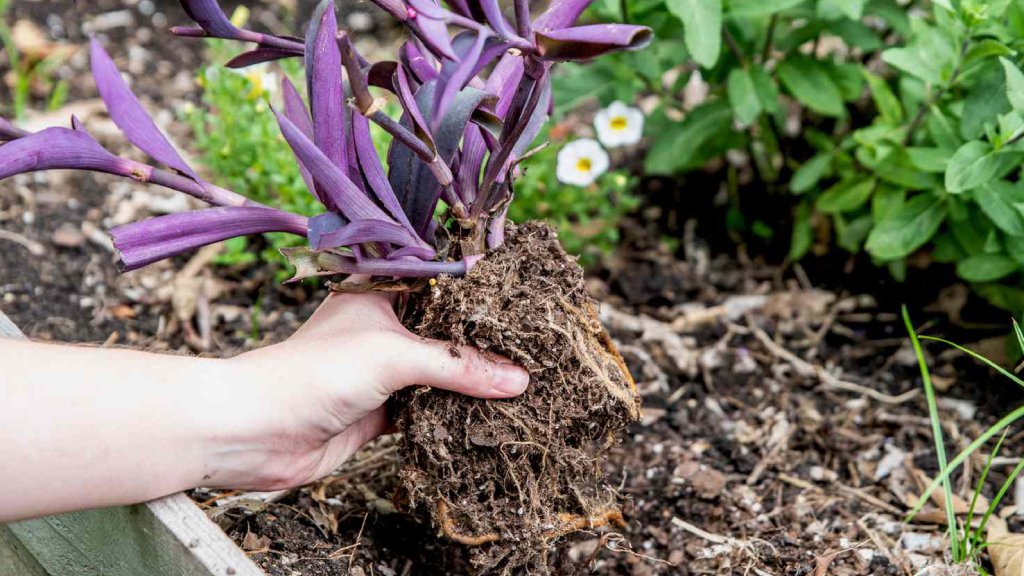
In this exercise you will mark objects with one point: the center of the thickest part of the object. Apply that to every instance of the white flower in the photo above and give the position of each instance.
(581, 162)
(619, 125)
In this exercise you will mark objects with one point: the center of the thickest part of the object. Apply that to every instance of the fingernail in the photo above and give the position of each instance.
(511, 380)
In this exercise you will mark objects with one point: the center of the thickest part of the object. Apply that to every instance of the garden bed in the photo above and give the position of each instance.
(783, 432)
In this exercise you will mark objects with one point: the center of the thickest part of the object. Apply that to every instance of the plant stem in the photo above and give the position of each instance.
(734, 46)
(937, 95)
(766, 52)
(624, 7)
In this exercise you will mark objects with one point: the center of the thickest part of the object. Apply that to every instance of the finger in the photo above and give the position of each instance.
(464, 370)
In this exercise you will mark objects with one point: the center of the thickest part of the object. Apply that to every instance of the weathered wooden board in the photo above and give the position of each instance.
(170, 536)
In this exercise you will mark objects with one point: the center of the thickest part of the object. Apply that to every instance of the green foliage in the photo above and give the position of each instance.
(586, 218)
(238, 140)
(967, 537)
(29, 73)
(898, 131)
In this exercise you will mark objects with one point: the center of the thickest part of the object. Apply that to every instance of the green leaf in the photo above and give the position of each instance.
(999, 201)
(743, 96)
(685, 142)
(932, 160)
(885, 201)
(986, 267)
(848, 78)
(987, 48)
(808, 175)
(885, 100)
(897, 168)
(985, 100)
(803, 233)
(976, 164)
(810, 83)
(1014, 84)
(759, 8)
(907, 228)
(835, 9)
(930, 55)
(767, 91)
(851, 235)
(846, 196)
(702, 22)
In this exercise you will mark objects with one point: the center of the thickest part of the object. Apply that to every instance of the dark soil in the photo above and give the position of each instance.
(511, 478)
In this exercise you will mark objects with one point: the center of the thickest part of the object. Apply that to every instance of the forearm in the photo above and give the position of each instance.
(85, 427)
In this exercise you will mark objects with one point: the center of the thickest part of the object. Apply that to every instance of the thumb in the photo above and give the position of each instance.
(462, 369)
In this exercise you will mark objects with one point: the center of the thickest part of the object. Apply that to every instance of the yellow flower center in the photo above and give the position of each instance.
(584, 164)
(619, 123)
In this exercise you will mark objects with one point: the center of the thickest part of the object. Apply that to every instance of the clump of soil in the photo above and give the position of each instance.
(509, 478)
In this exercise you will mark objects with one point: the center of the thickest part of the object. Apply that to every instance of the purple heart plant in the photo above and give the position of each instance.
(474, 89)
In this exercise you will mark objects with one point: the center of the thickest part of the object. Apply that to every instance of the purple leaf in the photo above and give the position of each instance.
(418, 252)
(373, 171)
(561, 14)
(413, 59)
(259, 56)
(427, 8)
(129, 115)
(434, 34)
(363, 232)
(332, 182)
(411, 108)
(496, 19)
(9, 131)
(56, 148)
(586, 42)
(210, 17)
(295, 110)
(142, 243)
(324, 83)
(407, 268)
(455, 75)
(411, 178)
(323, 224)
(474, 150)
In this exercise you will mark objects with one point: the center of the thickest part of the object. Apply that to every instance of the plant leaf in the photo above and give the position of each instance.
(976, 164)
(743, 96)
(759, 8)
(847, 195)
(811, 84)
(907, 228)
(1014, 84)
(986, 267)
(324, 85)
(128, 114)
(702, 25)
(142, 243)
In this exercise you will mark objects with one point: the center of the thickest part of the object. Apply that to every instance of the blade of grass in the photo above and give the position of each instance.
(940, 444)
(1019, 334)
(979, 358)
(963, 455)
(1001, 494)
(975, 535)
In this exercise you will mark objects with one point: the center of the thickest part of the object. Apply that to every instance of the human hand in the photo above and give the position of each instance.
(310, 402)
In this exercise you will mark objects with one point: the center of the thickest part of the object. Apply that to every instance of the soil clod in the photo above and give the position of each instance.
(510, 477)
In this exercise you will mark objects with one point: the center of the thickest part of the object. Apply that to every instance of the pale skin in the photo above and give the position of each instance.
(91, 427)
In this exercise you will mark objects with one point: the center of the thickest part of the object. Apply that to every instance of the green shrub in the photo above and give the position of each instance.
(894, 129)
(587, 218)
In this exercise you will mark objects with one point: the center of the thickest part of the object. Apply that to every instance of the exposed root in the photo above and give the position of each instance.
(453, 534)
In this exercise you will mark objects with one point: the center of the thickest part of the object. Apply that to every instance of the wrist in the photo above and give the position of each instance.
(248, 425)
